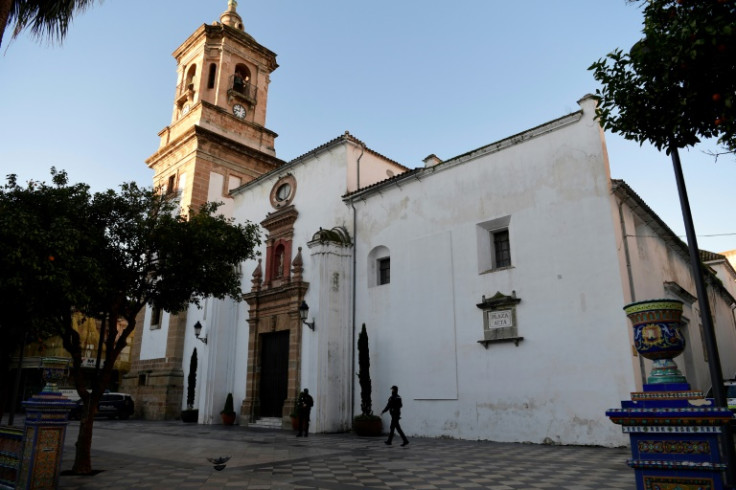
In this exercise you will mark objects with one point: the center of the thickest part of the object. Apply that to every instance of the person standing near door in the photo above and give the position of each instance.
(304, 404)
(393, 407)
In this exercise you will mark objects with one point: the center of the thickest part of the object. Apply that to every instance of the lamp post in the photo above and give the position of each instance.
(304, 314)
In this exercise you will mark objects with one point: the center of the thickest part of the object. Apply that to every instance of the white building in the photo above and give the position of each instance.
(491, 284)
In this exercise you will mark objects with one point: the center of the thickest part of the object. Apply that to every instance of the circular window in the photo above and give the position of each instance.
(283, 191)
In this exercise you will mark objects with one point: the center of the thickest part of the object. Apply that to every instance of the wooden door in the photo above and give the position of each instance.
(274, 372)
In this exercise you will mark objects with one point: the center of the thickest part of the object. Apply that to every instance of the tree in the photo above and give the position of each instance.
(675, 86)
(364, 374)
(44, 18)
(133, 249)
(192, 380)
(367, 423)
(39, 239)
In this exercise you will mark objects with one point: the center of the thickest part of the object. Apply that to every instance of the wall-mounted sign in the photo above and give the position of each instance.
(500, 318)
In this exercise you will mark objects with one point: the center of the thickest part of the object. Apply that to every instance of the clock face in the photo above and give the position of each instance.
(239, 111)
(185, 110)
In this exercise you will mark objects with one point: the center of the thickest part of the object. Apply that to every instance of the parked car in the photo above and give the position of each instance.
(111, 405)
(730, 385)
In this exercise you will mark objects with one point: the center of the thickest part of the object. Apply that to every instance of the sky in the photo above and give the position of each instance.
(409, 78)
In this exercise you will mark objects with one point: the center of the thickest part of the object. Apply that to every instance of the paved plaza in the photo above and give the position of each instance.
(167, 455)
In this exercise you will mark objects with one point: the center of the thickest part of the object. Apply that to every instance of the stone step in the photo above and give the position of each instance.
(267, 423)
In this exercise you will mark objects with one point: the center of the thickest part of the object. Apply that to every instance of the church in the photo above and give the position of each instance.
(491, 284)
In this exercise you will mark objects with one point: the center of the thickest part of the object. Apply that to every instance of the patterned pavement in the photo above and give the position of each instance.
(166, 455)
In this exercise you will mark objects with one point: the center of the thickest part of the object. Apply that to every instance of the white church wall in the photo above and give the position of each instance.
(726, 274)
(424, 327)
(218, 360)
(725, 327)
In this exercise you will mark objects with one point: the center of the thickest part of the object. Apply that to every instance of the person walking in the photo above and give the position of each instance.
(393, 407)
(304, 404)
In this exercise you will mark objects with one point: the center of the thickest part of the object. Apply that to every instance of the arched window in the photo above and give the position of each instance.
(211, 77)
(191, 72)
(379, 266)
(241, 78)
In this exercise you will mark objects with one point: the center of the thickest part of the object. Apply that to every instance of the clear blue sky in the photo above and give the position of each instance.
(407, 77)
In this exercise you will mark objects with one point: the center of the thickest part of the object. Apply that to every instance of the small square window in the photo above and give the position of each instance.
(384, 270)
(494, 244)
(501, 249)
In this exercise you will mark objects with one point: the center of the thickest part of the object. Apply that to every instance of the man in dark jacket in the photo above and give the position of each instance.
(304, 404)
(393, 407)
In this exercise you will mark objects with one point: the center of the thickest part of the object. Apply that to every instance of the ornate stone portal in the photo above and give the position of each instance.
(275, 333)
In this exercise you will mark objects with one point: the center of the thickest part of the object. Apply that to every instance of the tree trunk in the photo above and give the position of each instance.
(83, 452)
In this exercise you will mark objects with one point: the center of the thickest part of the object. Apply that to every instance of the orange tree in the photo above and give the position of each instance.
(675, 86)
(40, 237)
(128, 248)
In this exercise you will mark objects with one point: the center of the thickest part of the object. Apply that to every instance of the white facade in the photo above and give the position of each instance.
(570, 273)
(581, 247)
(550, 188)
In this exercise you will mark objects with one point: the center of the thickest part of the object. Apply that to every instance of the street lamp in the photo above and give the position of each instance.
(304, 313)
(198, 330)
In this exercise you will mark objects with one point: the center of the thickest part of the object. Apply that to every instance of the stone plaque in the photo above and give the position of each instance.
(500, 318)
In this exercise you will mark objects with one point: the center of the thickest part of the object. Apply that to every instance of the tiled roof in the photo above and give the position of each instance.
(707, 256)
(345, 137)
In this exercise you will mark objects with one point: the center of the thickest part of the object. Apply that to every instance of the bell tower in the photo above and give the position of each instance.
(217, 139)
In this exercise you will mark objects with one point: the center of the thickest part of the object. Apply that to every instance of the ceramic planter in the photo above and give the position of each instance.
(657, 336)
(53, 370)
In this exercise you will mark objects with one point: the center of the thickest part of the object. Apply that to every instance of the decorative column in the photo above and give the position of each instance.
(674, 431)
(47, 415)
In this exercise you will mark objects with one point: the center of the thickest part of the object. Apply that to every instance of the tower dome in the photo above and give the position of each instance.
(230, 17)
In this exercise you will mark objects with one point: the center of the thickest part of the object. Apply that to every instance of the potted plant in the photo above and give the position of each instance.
(191, 414)
(365, 424)
(228, 413)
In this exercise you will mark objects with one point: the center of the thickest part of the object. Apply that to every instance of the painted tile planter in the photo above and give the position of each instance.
(657, 336)
(674, 431)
